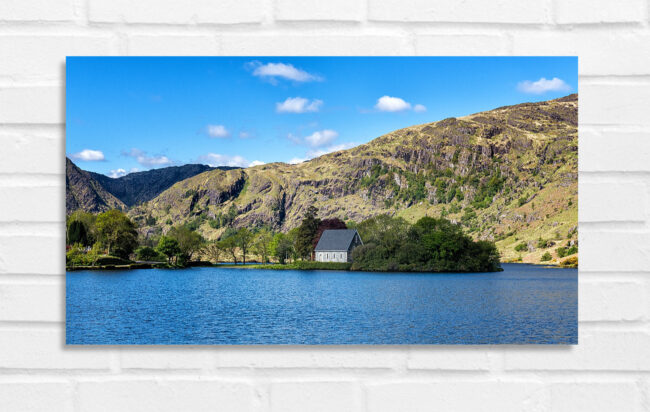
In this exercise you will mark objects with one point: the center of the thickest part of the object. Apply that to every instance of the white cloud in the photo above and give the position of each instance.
(322, 151)
(419, 108)
(321, 138)
(298, 105)
(392, 104)
(147, 161)
(117, 173)
(218, 131)
(272, 71)
(89, 155)
(543, 85)
(216, 159)
(244, 135)
(329, 149)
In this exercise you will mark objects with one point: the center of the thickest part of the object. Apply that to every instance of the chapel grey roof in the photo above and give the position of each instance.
(335, 240)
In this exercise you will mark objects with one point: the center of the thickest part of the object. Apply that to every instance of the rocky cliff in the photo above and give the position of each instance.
(509, 175)
(83, 192)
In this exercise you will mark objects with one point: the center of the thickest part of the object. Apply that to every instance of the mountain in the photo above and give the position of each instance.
(140, 187)
(509, 175)
(84, 192)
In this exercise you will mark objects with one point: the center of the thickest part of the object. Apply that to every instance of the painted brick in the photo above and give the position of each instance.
(600, 52)
(38, 57)
(612, 301)
(45, 349)
(598, 350)
(31, 150)
(614, 104)
(448, 358)
(594, 397)
(178, 45)
(33, 302)
(251, 44)
(340, 10)
(315, 396)
(17, 254)
(599, 11)
(309, 357)
(607, 151)
(25, 204)
(172, 12)
(460, 44)
(37, 10)
(455, 396)
(165, 395)
(473, 11)
(36, 396)
(166, 358)
(618, 201)
(46, 105)
(613, 251)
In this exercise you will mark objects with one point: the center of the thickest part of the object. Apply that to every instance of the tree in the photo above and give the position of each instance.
(546, 257)
(327, 224)
(88, 219)
(117, 232)
(188, 241)
(262, 244)
(281, 247)
(430, 245)
(244, 239)
(146, 253)
(306, 233)
(77, 233)
(168, 246)
(213, 251)
(230, 245)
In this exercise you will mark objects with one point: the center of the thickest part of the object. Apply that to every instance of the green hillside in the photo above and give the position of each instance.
(509, 175)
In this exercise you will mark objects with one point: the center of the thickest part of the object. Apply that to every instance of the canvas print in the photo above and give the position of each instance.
(321, 200)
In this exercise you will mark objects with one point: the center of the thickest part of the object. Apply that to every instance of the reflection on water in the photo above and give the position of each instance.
(522, 304)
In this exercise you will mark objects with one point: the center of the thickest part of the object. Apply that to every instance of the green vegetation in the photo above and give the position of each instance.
(508, 175)
(546, 257)
(305, 265)
(430, 245)
(521, 247)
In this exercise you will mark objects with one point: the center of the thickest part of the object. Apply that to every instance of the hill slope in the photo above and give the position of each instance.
(83, 192)
(139, 187)
(509, 175)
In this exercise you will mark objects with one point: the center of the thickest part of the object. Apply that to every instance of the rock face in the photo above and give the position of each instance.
(502, 172)
(508, 175)
(139, 187)
(83, 192)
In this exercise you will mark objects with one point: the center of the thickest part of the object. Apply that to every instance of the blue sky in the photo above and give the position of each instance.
(127, 114)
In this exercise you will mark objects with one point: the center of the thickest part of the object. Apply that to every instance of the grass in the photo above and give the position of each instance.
(303, 265)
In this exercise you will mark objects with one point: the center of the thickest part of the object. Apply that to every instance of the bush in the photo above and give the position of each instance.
(571, 262)
(521, 247)
(544, 243)
(430, 245)
(147, 253)
(546, 257)
(111, 260)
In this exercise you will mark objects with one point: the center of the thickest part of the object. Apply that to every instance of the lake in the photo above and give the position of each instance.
(212, 305)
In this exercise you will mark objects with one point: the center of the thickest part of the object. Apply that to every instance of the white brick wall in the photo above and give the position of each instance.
(608, 371)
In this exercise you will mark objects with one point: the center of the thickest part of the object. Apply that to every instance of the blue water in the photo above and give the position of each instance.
(522, 304)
